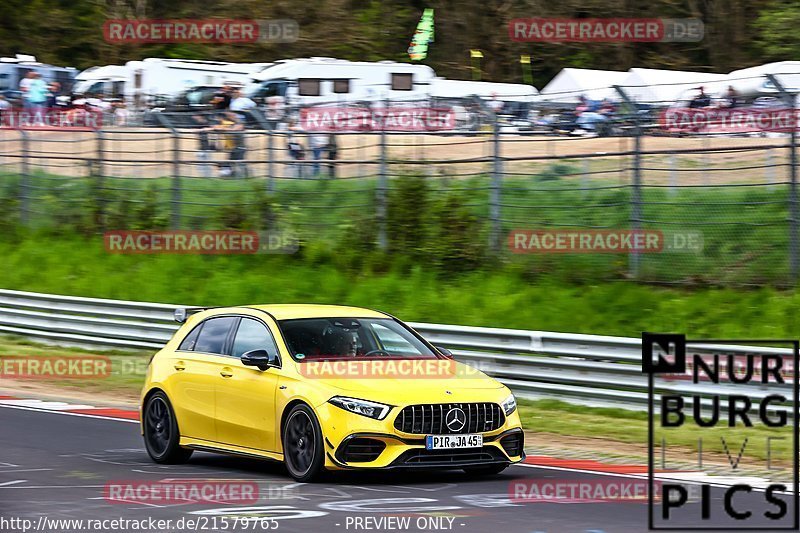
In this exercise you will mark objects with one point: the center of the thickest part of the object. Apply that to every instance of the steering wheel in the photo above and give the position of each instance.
(376, 352)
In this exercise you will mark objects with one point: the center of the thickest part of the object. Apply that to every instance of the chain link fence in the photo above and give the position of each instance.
(721, 173)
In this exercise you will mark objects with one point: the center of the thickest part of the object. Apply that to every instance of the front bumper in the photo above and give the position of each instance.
(356, 442)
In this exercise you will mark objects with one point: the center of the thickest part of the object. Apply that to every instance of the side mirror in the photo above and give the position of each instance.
(444, 351)
(260, 359)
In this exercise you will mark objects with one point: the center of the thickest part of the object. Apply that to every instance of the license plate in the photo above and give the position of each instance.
(448, 442)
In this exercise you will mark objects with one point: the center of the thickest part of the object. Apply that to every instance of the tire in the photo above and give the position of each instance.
(488, 470)
(161, 434)
(303, 452)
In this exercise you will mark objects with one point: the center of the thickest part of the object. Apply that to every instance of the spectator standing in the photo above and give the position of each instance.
(275, 112)
(296, 150)
(222, 100)
(240, 103)
(24, 84)
(36, 93)
(233, 141)
(318, 142)
(206, 146)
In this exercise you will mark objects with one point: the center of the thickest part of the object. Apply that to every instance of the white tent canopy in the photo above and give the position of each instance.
(655, 86)
(572, 83)
(508, 92)
(752, 81)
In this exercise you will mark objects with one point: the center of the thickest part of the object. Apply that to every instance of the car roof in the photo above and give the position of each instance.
(293, 311)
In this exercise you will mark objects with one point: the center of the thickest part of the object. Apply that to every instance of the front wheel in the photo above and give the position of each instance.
(302, 444)
(161, 435)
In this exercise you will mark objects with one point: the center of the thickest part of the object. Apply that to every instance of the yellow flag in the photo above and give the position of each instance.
(475, 53)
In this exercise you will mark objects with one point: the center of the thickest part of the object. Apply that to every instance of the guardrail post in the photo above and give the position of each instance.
(24, 180)
(636, 190)
(381, 191)
(495, 192)
(790, 99)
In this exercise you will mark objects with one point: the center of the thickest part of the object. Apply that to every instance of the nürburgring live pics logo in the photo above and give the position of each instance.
(727, 391)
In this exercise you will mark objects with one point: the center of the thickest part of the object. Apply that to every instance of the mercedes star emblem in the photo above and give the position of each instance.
(456, 419)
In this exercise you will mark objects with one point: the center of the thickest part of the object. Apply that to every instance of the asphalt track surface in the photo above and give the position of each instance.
(56, 466)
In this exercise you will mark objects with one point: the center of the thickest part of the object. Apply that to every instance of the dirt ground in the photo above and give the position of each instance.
(151, 152)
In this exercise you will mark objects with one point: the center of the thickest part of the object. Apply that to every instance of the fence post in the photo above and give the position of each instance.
(673, 174)
(380, 198)
(270, 164)
(99, 180)
(790, 99)
(24, 189)
(268, 127)
(495, 192)
(636, 190)
(175, 201)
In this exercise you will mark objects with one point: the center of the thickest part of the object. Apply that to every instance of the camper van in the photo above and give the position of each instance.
(14, 69)
(154, 80)
(324, 80)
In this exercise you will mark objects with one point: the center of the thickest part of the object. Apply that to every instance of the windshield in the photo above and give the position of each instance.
(336, 338)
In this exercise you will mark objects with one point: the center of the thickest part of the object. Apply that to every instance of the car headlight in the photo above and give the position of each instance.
(375, 410)
(509, 404)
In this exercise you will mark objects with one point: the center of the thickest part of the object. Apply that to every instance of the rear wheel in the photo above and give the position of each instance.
(161, 435)
(487, 470)
(302, 444)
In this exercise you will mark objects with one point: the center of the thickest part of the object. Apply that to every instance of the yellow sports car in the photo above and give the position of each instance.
(322, 387)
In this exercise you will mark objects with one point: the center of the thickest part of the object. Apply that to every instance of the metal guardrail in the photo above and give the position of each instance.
(591, 370)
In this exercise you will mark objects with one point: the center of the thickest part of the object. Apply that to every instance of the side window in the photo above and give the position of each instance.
(341, 86)
(253, 335)
(402, 81)
(214, 334)
(188, 342)
(308, 87)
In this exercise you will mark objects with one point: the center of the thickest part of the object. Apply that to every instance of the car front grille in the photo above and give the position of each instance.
(431, 419)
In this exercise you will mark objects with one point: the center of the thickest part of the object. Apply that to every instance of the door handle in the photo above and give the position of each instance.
(226, 372)
(180, 365)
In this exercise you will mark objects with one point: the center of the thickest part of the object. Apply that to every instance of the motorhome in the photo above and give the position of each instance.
(14, 69)
(155, 80)
(324, 80)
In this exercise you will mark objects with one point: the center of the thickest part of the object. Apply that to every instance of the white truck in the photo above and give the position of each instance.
(154, 80)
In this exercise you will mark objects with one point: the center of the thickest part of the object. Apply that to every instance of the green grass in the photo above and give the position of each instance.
(745, 229)
(508, 296)
(122, 383)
